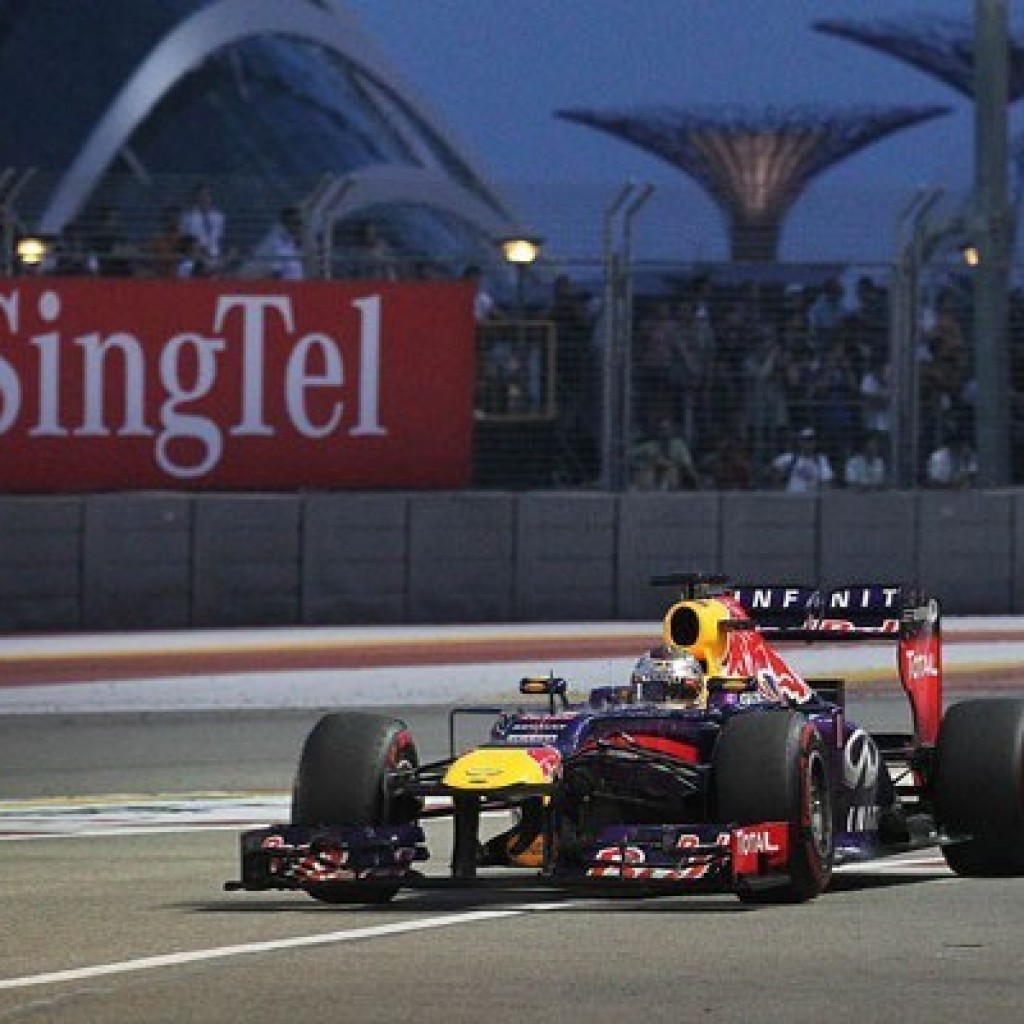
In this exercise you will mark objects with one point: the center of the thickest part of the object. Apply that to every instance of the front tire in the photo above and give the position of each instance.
(980, 786)
(342, 779)
(773, 766)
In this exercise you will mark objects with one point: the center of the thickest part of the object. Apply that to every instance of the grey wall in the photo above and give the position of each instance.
(245, 558)
(565, 567)
(42, 543)
(156, 560)
(459, 556)
(137, 563)
(354, 558)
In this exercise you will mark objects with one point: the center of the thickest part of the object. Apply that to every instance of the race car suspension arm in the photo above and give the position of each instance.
(689, 776)
(467, 836)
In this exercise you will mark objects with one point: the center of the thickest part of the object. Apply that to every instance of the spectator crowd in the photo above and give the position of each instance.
(790, 386)
(195, 238)
(731, 386)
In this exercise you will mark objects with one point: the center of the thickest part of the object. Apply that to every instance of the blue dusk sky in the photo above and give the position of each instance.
(496, 71)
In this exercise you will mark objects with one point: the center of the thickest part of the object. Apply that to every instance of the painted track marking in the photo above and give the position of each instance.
(97, 817)
(251, 948)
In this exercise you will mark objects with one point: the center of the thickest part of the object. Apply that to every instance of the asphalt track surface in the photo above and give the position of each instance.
(119, 822)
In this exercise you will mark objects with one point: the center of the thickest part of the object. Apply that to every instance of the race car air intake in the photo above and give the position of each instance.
(683, 625)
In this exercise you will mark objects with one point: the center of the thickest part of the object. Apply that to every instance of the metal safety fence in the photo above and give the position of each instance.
(722, 377)
(612, 371)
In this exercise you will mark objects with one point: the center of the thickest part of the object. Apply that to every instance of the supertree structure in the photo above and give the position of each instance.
(754, 165)
(940, 46)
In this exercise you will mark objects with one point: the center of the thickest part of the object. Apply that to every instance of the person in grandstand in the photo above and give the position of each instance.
(660, 459)
(805, 469)
(865, 469)
(203, 221)
(279, 254)
(953, 465)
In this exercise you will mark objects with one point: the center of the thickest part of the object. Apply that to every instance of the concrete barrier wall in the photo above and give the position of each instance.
(965, 553)
(461, 553)
(869, 537)
(246, 560)
(661, 533)
(137, 562)
(355, 557)
(158, 561)
(41, 563)
(771, 537)
(566, 565)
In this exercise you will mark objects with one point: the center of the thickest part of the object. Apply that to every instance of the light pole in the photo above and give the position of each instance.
(521, 252)
(920, 239)
(526, 358)
(991, 239)
(618, 332)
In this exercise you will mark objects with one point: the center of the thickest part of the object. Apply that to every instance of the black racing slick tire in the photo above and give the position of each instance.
(342, 779)
(980, 786)
(773, 766)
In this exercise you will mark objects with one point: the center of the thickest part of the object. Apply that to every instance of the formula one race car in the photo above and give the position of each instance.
(717, 767)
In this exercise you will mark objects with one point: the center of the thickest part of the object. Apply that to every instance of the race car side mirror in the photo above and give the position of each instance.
(552, 686)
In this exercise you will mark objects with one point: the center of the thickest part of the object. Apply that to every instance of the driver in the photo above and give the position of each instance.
(669, 675)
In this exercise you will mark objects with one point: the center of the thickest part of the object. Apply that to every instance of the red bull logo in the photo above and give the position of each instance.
(549, 759)
(747, 654)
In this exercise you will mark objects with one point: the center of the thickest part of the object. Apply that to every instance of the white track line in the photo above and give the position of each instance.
(298, 942)
(99, 817)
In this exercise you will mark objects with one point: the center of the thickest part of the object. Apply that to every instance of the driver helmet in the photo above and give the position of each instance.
(668, 675)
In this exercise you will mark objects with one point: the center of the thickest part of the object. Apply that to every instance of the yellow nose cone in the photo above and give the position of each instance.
(487, 769)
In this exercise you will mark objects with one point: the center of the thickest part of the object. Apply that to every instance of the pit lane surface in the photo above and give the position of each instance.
(123, 919)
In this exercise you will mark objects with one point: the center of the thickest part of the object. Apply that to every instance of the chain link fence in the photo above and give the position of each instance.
(721, 377)
(613, 371)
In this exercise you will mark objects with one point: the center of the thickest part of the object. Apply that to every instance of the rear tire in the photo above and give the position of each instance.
(342, 780)
(980, 786)
(773, 766)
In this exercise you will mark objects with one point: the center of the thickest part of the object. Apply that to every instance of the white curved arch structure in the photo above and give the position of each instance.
(191, 43)
(393, 183)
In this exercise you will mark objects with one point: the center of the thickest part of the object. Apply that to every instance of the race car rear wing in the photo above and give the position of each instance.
(801, 612)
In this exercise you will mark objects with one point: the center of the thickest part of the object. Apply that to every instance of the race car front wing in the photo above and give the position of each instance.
(674, 857)
(298, 856)
(728, 857)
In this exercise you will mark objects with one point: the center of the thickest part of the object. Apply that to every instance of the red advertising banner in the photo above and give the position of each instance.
(205, 385)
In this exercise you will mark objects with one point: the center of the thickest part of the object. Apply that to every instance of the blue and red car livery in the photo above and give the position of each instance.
(760, 788)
